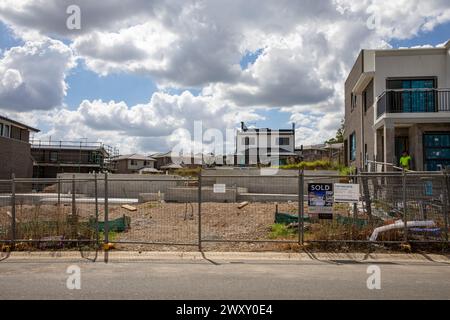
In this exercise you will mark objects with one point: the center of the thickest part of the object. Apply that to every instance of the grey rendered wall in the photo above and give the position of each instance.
(353, 118)
(131, 187)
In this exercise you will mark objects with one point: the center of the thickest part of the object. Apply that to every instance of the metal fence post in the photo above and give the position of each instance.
(355, 207)
(74, 208)
(59, 192)
(106, 223)
(301, 211)
(13, 210)
(200, 211)
(97, 238)
(405, 218)
(446, 202)
(106, 228)
(366, 194)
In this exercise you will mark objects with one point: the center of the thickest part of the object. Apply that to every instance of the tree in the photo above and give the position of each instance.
(339, 135)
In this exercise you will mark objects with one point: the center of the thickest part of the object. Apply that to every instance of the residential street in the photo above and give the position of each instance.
(226, 276)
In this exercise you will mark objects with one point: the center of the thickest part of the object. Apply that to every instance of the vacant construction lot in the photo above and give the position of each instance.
(175, 226)
(156, 222)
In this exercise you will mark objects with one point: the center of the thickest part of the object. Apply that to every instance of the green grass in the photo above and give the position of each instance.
(279, 230)
(112, 236)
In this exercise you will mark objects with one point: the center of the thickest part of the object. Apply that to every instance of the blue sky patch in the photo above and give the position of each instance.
(87, 85)
(7, 39)
(249, 58)
(439, 35)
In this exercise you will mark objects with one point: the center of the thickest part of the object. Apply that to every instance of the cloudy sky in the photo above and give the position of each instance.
(138, 73)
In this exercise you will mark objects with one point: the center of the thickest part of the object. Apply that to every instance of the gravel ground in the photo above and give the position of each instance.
(173, 222)
(177, 223)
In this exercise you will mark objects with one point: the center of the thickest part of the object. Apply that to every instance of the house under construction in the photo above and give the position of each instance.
(53, 157)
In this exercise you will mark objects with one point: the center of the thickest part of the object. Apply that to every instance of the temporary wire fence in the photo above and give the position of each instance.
(226, 211)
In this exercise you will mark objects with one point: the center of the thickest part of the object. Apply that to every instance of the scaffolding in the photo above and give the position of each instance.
(72, 156)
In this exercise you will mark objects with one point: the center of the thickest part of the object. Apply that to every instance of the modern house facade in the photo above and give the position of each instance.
(398, 100)
(15, 150)
(54, 157)
(264, 146)
(132, 163)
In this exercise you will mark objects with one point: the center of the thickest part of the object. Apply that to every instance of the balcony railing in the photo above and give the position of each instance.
(413, 100)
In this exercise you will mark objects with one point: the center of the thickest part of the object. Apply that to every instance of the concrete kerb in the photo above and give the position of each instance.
(130, 256)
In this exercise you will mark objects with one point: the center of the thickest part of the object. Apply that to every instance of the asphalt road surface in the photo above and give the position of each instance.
(224, 279)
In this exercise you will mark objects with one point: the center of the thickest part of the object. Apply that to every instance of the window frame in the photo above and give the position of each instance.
(353, 146)
(51, 158)
(353, 101)
(278, 141)
(4, 131)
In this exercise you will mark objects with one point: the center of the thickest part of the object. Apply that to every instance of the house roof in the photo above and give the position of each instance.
(172, 166)
(19, 124)
(133, 156)
(161, 154)
(324, 146)
(149, 170)
(176, 156)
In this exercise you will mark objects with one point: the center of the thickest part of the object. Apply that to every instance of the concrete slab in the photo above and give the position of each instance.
(265, 197)
(90, 200)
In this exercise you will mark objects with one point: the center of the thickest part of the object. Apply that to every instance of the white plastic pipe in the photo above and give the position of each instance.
(399, 225)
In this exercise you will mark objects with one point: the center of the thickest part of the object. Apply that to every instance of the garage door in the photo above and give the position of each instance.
(436, 150)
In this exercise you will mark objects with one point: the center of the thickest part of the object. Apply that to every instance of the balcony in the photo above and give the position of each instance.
(413, 101)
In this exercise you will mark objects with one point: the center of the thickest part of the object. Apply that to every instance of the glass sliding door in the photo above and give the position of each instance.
(412, 95)
(422, 100)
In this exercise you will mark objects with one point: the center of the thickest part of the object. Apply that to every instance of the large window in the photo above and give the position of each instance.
(6, 131)
(353, 146)
(415, 95)
(53, 156)
(283, 141)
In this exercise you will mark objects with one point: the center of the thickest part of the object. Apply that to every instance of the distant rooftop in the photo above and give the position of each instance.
(19, 124)
(72, 145)
(133, 156)
(244, 128)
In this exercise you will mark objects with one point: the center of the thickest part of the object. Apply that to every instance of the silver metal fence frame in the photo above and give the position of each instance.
(301, 176)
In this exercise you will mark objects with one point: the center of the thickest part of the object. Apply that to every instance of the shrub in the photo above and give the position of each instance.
(279, 230)
(311, 165)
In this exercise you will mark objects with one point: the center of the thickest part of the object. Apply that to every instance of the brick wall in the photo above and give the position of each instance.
(15, 157)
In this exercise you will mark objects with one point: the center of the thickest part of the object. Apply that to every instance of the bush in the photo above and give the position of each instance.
(279, 230)
(311, 165)
(346, 171)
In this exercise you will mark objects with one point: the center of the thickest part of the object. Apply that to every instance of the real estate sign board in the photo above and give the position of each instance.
(320, 199)
(346, 192)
